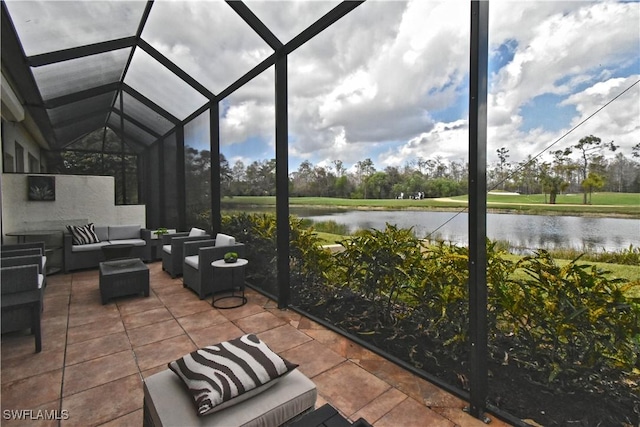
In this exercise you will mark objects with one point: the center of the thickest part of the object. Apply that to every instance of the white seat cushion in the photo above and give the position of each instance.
(225, 240)
(134, 242)
(44, 263)
(166, 248)
(169, 403)
(196, 232)
(88, 247)
(192, 260)
(40, 280)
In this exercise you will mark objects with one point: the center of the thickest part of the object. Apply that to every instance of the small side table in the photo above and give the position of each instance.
(234, 266)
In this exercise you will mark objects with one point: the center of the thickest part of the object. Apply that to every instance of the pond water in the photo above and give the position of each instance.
(521, 231)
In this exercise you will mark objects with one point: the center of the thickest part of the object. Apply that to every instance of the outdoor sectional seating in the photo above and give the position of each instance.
(91, 255)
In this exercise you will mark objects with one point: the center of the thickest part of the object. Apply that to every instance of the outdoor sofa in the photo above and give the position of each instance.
(79, 255)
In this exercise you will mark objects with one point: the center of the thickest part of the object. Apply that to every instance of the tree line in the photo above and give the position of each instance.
(585, 167)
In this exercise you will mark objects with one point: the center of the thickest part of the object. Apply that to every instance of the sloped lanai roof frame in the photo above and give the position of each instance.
(20, 68)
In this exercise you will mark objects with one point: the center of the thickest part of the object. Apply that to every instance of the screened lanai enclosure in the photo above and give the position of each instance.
(113, 96)
(158, 94)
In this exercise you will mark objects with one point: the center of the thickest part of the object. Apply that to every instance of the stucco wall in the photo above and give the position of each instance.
(79, 199)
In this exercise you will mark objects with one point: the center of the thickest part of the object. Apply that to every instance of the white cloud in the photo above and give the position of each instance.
(446, 140)
(620, 120)
(564, 49)
(221, 46)
(393, 78)
(387, 80)
(570, 50)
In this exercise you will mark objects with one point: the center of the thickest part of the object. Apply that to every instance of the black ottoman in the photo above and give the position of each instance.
(123, 277)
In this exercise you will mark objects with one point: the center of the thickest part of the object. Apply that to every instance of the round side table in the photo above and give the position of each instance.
(234, 266)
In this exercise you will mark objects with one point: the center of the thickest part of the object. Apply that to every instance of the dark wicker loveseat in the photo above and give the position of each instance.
(91, 255)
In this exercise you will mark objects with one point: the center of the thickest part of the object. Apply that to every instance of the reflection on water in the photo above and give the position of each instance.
(521, 231)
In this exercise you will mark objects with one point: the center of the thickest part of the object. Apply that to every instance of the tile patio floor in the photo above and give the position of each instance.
(95, 357)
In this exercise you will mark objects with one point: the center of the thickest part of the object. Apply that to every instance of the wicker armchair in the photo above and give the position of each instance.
(198, 271)
(22, 289)
(21, 246)
(24, 249)
(172, 250)
(36, 258)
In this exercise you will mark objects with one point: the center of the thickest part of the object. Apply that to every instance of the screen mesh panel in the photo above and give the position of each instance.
(165, 88)
(216, 48)
(170, 183)
(287, 19)
(47, 26)
(151, 187)
(143, 114)
(197, 159)
(99, 140)
(131, 131)
(86, 106)
(76, 129)
(63, 78)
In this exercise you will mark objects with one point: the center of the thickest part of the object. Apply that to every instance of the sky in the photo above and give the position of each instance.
(389, 81)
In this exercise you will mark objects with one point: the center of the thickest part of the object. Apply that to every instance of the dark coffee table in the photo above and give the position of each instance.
(123, 277)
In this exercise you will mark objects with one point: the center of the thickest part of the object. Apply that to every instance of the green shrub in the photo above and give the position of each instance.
(258, 233)
(381, 265)
(308, 260)
(567, 323)
(573, 319)
(442, 293)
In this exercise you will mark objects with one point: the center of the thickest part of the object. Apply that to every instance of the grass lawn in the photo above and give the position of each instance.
(628, 272)
(602, 204)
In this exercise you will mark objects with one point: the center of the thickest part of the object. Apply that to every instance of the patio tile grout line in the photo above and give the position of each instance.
(66, 343)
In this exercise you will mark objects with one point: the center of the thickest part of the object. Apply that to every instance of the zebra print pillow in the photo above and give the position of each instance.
(224, 374)
(83, 235)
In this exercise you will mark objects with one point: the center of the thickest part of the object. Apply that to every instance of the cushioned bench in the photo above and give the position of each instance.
(167, 403)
